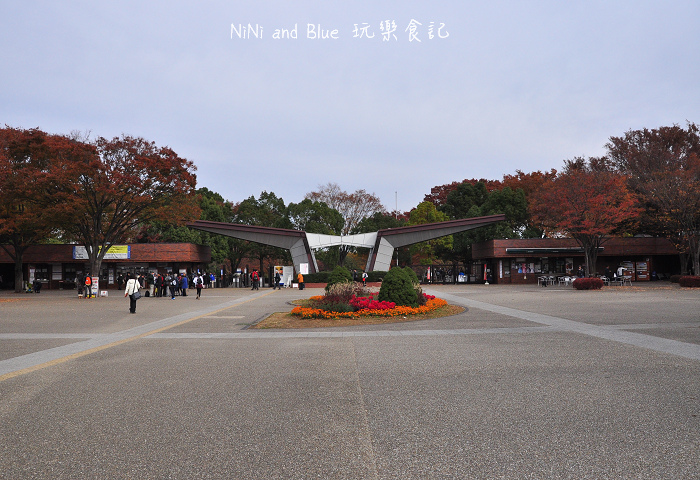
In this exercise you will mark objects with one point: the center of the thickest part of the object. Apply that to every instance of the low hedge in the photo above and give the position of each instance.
(376, 276)
(320, 277)
(675, 278)
(593, 283)
(691, 281)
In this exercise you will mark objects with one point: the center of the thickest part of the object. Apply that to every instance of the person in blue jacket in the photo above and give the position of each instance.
(184, 283)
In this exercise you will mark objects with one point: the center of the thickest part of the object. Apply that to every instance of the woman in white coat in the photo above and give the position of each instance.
(132, 286)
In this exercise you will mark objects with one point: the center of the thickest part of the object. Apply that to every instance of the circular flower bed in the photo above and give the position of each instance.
(362, 306)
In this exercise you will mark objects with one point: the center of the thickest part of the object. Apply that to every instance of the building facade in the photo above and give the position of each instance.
(60, 266)
(520, 261)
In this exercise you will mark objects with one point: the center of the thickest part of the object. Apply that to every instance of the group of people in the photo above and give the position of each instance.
(158, 285)
(356, 277)
(169, 284)
(255, 280)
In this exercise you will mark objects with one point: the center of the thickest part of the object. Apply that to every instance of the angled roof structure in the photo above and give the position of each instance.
(387, 240)
(382, 243)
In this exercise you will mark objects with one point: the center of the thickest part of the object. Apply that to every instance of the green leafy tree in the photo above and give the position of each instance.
(317, 217)
(212, 207)
(266, 211)
(428, 252)
(378, 221)
(475, 200)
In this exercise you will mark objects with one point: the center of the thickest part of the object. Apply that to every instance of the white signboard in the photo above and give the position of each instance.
(115, 252)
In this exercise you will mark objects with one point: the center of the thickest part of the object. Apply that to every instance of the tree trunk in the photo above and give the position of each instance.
(17, 255)
(683, 258)
(19, 274)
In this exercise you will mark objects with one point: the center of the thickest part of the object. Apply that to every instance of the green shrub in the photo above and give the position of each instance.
(593, 283)
(412, 275)
(689, 281)
(339, 275)
(339, 307)
(319, 277)
(398, 287)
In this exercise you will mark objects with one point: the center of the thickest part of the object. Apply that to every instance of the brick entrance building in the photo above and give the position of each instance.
(58, 266)
(521, 261)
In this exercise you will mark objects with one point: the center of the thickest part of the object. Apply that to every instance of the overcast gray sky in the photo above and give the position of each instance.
(502, 85)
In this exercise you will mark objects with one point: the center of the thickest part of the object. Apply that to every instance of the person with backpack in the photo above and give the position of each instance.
(198, 283)
(256, 279)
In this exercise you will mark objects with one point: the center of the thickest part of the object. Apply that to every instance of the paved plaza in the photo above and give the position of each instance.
(527, 383)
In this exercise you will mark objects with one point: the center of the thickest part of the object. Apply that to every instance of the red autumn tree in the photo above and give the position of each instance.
(529, 182)
(35, 169)
(586, 202)
(127, 183)
(663, 167)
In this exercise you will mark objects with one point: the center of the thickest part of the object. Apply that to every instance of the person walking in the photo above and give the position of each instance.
(300, 279)
(198, 283)
(277, 281)
(255, 277)
(132, 287)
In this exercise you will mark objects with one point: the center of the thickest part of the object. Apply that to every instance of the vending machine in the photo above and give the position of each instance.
(641, 270)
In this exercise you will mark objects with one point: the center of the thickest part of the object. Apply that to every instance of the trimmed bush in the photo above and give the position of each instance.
(339, 275)
(675, 278)
(412, 275)
(593, 283)
(689, 281)
(398, 287)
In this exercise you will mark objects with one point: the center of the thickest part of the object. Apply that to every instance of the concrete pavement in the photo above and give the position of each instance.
(528, 382)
